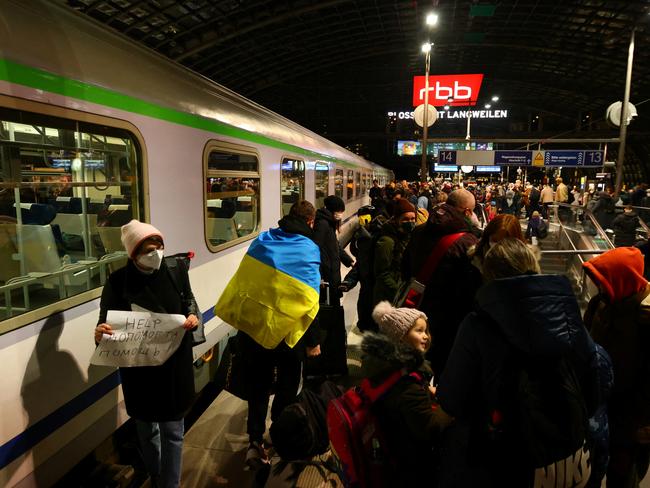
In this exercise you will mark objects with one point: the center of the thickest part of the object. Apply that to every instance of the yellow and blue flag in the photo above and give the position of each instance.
(273, 296)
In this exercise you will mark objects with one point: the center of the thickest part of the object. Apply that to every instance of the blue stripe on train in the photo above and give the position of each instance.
(34, 434)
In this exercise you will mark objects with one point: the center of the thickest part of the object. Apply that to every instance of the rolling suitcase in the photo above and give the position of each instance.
(332, 360)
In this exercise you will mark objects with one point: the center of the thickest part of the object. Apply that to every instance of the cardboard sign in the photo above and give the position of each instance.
(139, 339)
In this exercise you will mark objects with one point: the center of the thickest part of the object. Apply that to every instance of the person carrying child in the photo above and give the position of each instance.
(408, 414)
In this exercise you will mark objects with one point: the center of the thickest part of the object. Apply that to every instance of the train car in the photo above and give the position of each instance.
(95, 131)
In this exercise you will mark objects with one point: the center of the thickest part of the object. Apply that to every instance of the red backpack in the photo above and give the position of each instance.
(362, 458)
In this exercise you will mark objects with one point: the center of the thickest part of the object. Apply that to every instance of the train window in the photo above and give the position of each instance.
(232, 194)
(338, 183)
(357, 185)
(350, 185)
(321, 176)
(292, 182)
(66, 188)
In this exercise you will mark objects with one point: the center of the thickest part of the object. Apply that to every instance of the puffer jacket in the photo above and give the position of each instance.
(536, 315)
(409, 415)
(449, 294)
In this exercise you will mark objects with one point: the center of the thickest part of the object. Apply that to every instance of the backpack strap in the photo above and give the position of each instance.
(372, 393)
(439, 250)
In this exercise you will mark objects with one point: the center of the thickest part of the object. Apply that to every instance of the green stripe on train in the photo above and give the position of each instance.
(43, 80)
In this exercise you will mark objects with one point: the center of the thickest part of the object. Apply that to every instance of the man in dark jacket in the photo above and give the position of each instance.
(157, 397)
(520, 314)
(624, 226)
(618, 318)
(389, 249)
(449, 294)
(275, 318)
(328, 220)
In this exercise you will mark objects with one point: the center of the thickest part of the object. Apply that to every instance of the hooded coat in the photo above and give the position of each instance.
(535, 315)
(449, 294)
(408, 414)
(619, 320)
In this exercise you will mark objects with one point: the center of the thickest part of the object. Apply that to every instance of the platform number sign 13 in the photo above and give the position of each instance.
(593, 157)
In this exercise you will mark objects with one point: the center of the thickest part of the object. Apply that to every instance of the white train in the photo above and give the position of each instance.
(94, 131)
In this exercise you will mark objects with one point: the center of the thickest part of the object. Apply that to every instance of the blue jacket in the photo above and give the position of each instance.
(535, 314)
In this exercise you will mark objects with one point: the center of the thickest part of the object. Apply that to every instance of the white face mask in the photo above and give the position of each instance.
(151, 260)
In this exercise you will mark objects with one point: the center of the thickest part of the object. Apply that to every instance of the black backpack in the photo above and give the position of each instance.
(542, 416)
(300, 431)
(178, 266)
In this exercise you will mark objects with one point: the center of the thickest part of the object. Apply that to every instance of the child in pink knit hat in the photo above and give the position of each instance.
(408, 414)
(407, 325)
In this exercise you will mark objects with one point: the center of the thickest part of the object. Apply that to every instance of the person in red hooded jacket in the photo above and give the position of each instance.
(618, 319)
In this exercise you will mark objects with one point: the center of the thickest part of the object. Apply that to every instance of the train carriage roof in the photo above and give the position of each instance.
(39, 35)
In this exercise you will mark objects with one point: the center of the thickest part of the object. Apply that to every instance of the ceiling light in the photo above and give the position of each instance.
(432, 19)
(450, 99)
(487, 105)
(426, 47)
(495, 98)
(446, 107)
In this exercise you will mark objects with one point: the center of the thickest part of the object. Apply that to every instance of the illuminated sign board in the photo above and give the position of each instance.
(414, 148)
(463, 89)
(445, 168)
(487, 169)
(456, 114)
(540, 158)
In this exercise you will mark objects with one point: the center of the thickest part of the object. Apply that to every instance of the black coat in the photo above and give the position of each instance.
(408, 414)
(331, 254)
(154, 393)
(449, 294)
(536, 315)
(624, 226)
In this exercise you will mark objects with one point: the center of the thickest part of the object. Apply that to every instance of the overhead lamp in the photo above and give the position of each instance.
(495, 98)
(426, 47)
(432, 19)
(446, 107)
(487, 105)
(450, 99)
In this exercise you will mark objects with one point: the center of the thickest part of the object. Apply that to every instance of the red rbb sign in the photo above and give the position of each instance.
(463, 89)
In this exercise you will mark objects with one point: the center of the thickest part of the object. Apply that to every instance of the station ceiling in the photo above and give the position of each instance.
(338, 66)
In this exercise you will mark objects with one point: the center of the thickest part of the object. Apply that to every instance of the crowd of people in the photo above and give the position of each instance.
(489, 347)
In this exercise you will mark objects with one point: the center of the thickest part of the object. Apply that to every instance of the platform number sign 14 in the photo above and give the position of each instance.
(447, 157)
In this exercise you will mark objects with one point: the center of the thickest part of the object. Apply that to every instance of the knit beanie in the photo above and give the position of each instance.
(395, 322)
(135, 233)
(334, 204)
(402, 206)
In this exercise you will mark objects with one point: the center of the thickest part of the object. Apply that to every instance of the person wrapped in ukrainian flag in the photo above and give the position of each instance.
(273, 301)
